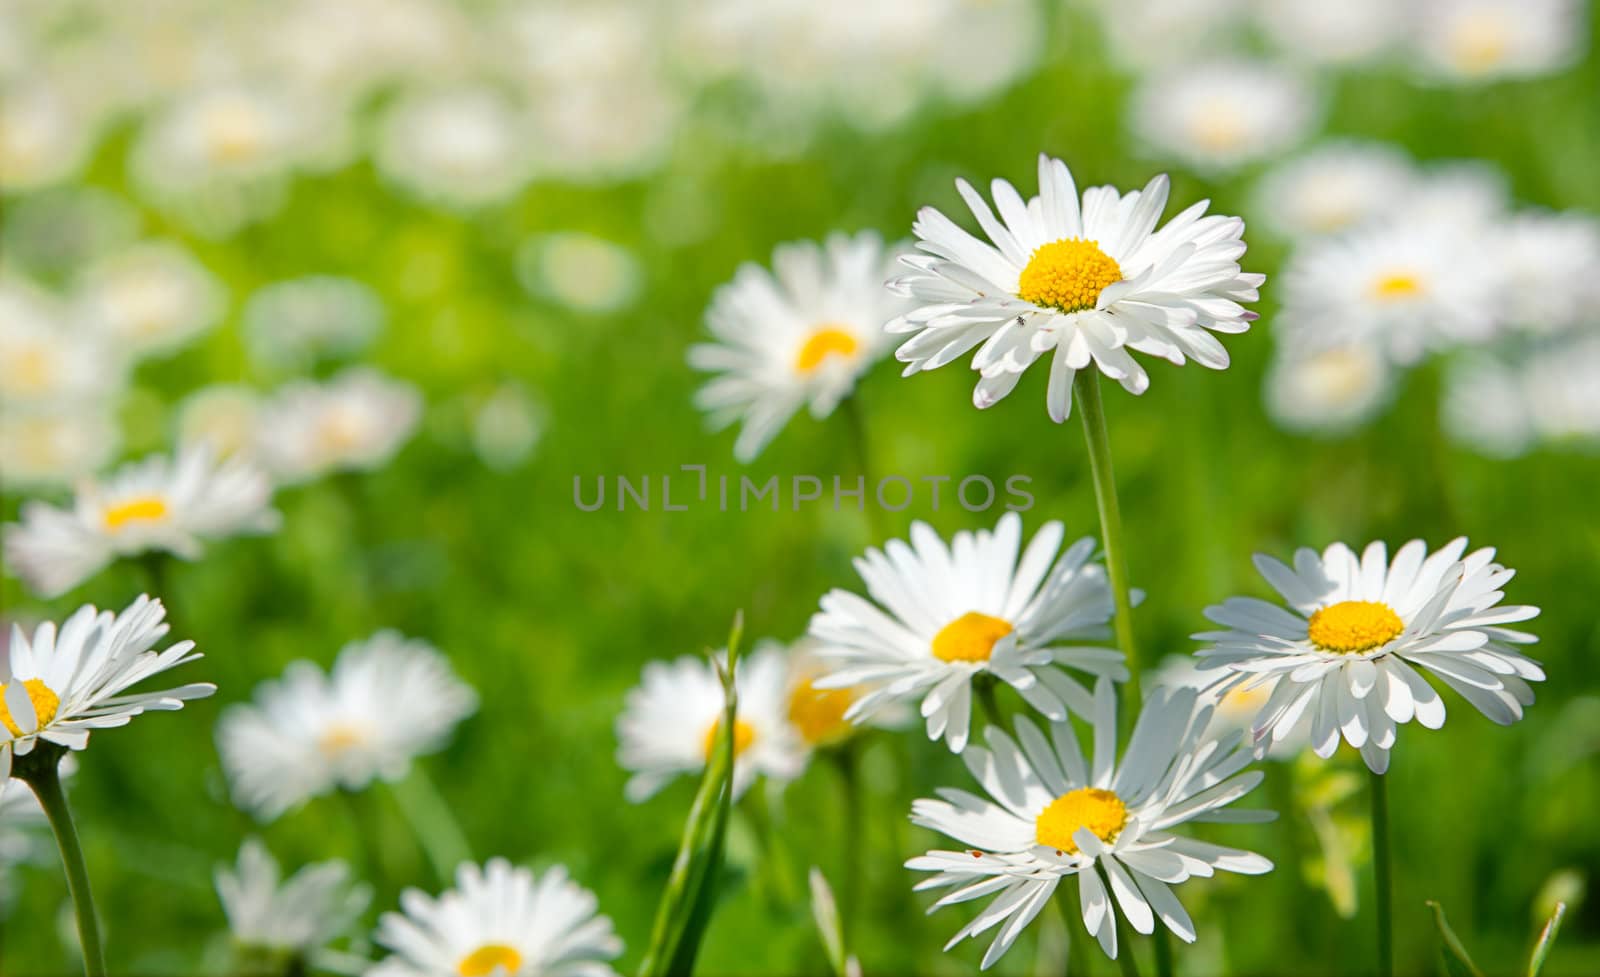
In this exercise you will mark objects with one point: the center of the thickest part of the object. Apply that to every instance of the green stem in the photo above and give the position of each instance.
(1086, 386)
(774, 859)
(869, 499)
(852, 828)
(1163, 941)
(983, 688)
(1125, 958)
(40, 771)
(1077, 936)
(432, 822)
(1384, 903)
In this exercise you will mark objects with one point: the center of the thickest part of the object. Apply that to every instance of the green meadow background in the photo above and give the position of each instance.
(551, 612)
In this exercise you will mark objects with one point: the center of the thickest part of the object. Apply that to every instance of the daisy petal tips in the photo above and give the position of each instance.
(1082, 281)
(1359, 633)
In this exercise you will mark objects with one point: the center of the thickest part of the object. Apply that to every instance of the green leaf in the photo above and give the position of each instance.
(686, 905)
(1547, 937)
(825, 910)
(1456, 959)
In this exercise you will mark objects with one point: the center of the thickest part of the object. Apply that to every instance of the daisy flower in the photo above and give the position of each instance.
(1233, 706)
(43, 359)
(1220, 115)
(150, 300)
(499, 920)
(580, 271)
(1334, 187)
(388, 700)
(355, 422)
(158, 504)
(1328, 33)
(1551, 264)
(818, 714)
(1051, 814)
(1328, 390)
(947, 616)
(293, 324)
(1083, 284)
(1404, 288)
(62, 684)
(297, 916)
(799, 335)
(1488, 40)
(1348, 650)
(461, 148)
(224, 416)
(53, 447)
(1502, 405)
(670, 720)
(44, 136)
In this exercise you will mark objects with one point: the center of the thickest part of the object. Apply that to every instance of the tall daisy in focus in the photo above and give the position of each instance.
(499, 921)
(670, 721)
(160, 504)
(797, 336)
(1104, 827)
(282, 925)
(945, 621)
(60, 685)
(355, 422)
(1353, 646)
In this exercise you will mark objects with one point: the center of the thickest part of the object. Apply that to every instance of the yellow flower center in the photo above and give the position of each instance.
(1068, 274)
(488, 958)
(1218, 128)
(35, 370)
(1354, 625)
(340, 432)
(145, 508)
(45, 703)
(1397, 286)
(970, 638)
(338, 738)
(819, 713)
(743, 735)
(825, 342)
(234, 134)
(1101, 811)
(1479, 44)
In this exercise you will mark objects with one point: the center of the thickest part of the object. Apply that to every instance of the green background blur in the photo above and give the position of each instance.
(551, 612)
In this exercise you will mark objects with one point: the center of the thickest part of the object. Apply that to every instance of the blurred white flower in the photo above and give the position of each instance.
(53, 447)
(581, 271)
(1328, 389)
(1148, 35)
(355, 422)
(1502, 405)
(1462, 195)
(458, 147)
(1233, 707)
(388, 700)
(612, 128)
(1488, 40)
(44, 136)
(1219, 115)
(967, 612)
(62, 684)
(45, 358)
(149, 300)
(1551, 265)
(158, 504)
(1080, 284)
(293, 324)
(1332, 33)
(345, 51)
(797, 336)
(670, 720)
(299, 915)
(506, 427)
(226, 417)
(499, 921)
(1334, 187)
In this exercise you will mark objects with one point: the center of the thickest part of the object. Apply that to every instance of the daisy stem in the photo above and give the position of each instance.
(852, 829)
(44, 777)
(1163, 943)
(774, 857)
(858, 437)
(1125, 958)
(1086, 387)
(437, 831)
(1077, 937)
(1382, 878)
(983, 687)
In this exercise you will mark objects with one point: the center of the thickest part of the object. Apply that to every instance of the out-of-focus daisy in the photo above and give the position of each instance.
(224, 416)
(1358, 629)
(159, 503)
(670, 720)
(580, 271)
(1051, 814)
(150, 300)
(291, 325)
(1502, 405)
(44, 136)
(1328, 390)
(1085, 284)
(1462, 195)
(1222, 114)
(457, 147)
(293, 917)
(1486, 40)
(1551, 268)
(62, 230)
(355, 422)
(62, 684)
(799, 335)
(818, 714)
(948, 616)
(506, 427)
(44, 359)
(499, 920)
(53, 447)
(1147, 35)
(1332, 33)
(388, 700)
(1407, 289)
(1334, 187)
(1234, 707)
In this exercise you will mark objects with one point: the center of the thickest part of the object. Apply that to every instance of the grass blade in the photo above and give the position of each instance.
(1456, 959)
(1547, 937)
(690, 895)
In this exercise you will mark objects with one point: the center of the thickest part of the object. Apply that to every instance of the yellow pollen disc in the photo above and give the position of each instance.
(1068, 274)
(147, 508)
(743, 735)
(487, 958)
(1101, 811)
(970, 638)
(819, 713)
(338, 738)
(1219, 128)
(45, 703)
(1479, 44)
(1397, 285)
(35, 370)
(825, 342)
(235, 135)
(1354, 625)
